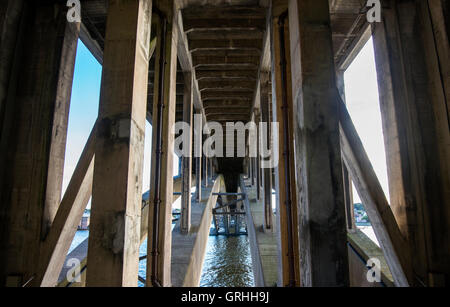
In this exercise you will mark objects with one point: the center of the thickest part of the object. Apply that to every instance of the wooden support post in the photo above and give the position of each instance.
(323, 233)
(211, 170)
(288, 266)
(70, 212)
(348, 189)
(161, 195)
(250, 166)
(205, 171)
(188, 104)
(258, 161)
(60, 126)
(39, 46)
(198, 130)
(254, 171)
(266, 172)
(412, 66)
(394, 247)
(114, 238)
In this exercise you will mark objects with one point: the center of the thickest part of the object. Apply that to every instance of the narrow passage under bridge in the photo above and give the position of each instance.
(227, 62)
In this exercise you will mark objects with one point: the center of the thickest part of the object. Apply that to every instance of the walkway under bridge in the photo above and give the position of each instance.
(224, 61)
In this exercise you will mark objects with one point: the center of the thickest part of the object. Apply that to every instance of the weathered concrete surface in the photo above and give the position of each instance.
(165, 94)
(263, 245)
(80, 252)
(188, 250)
(119, 152)
(320, 190)
(37, 56)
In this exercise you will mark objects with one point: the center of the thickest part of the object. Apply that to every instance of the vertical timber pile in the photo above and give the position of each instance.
(34, 104)
(266, 141)
(161, 189)
(323, 234)
(347, 180)
(188, 104)
(198, 150)
(114, 239)
(284, 176)
(257, 159)
(412, 65)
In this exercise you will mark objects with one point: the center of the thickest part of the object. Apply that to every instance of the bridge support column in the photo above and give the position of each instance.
(36, 72)
(198, 130)
(266, 142)
(347, 180)
(161, 195)
(413, 68)
(205, 171)
(284, 172)
(323, 233)
(258, 160)
(188, 105)
(253, 170)
(113, 253)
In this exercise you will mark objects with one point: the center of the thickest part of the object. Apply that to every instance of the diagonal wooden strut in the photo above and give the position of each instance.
(391, 241)
(69, 214)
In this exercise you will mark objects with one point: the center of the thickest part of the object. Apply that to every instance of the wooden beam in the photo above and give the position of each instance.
(227, 95)
(414, 107)
(212, 11)
(217, 65)
(265, 105)
(199, 22)
(265, 56)
(212, 60)
(60, 125)
(70, 212)
(227, 85)
(284, 259)
(160, 246)
(113, 253)
(186, 63)
(211, 75)
(91, 44)
(36, 72)
(198, 130)
(258, 159)
(186, 172)
(228, 117)
(322, 224)
(226, 44)
(205, 171)
(227, 53)
(219, 103)
(348, 189)
(380, 214)
(218, 109)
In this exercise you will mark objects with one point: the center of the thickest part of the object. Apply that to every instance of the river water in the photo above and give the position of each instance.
(228, 263)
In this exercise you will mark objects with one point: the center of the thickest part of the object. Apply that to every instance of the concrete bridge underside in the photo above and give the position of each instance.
(226, 61)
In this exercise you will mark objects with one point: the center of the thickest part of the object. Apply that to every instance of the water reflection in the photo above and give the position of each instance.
(228, 263)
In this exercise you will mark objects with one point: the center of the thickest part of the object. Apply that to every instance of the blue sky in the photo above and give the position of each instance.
(361, 95)
(83, 107)
(84, 111)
